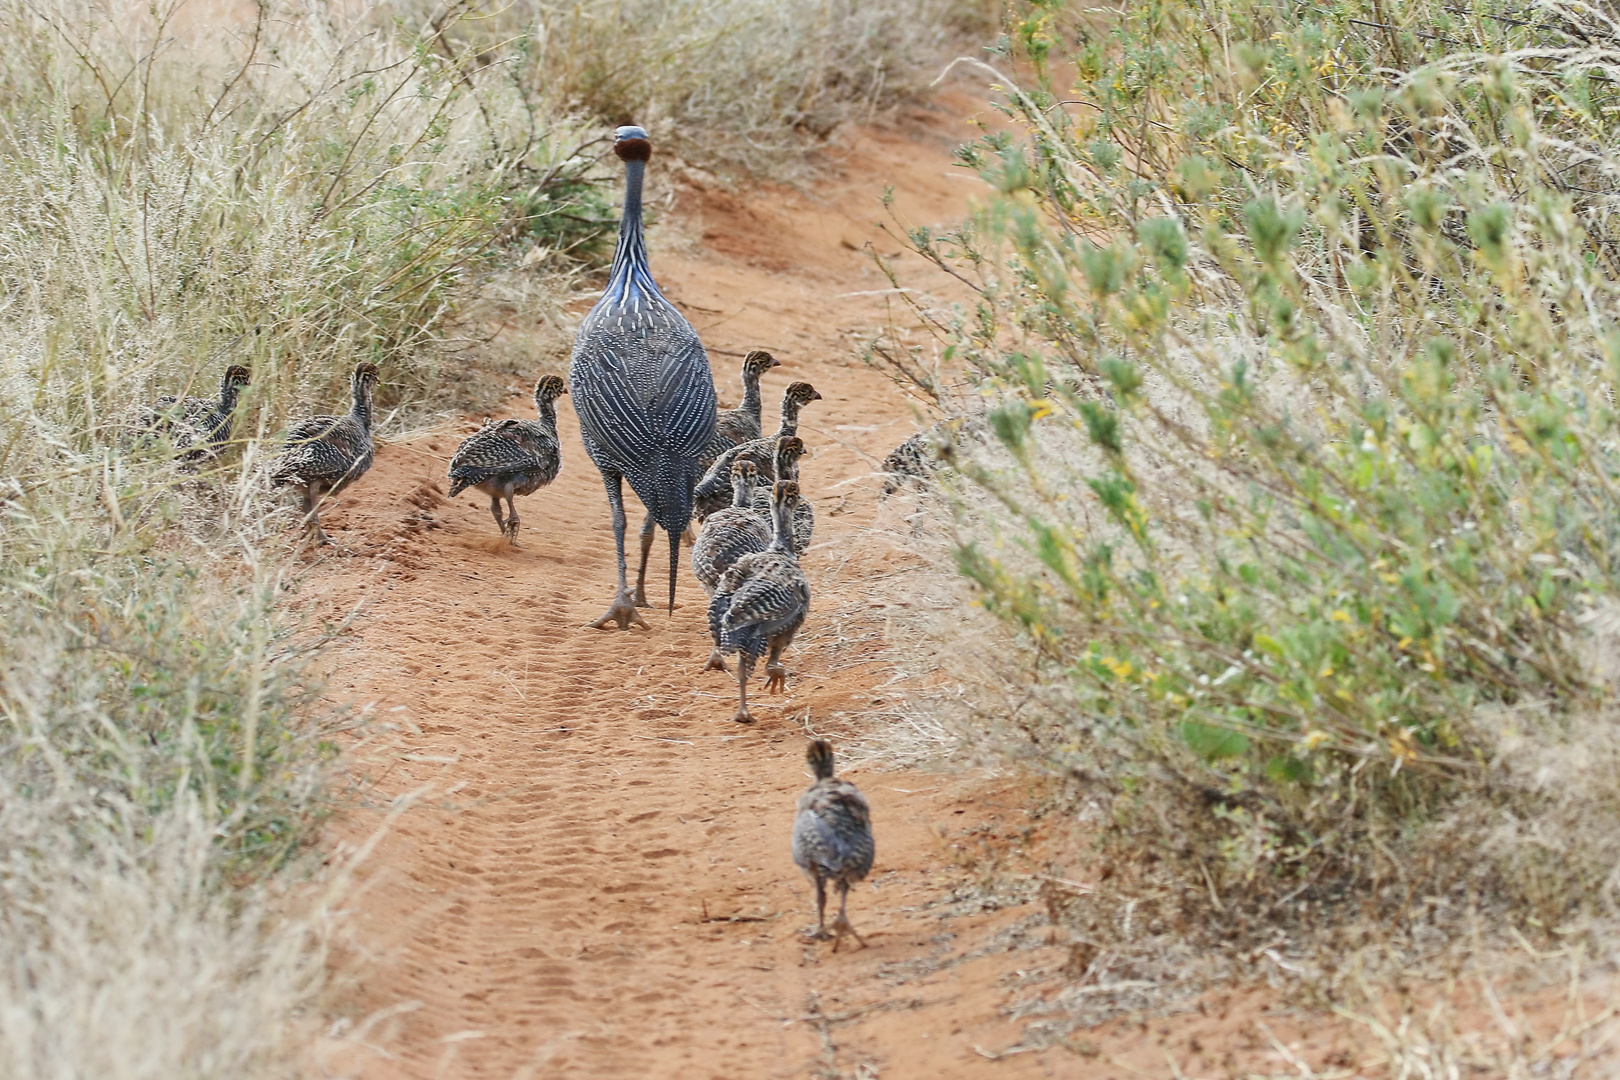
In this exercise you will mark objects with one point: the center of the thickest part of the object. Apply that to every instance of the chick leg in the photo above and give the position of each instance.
(776, 674)
(745, 667)
(821, 910)
(511, 529)
(842, 924)
(495, 508)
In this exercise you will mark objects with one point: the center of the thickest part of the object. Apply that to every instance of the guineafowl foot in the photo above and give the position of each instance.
(775, 678)
(717, 662)
(841, 927)
(743, 716)
(641, 596)
(623, 612)
(511, 530)
(818, 934)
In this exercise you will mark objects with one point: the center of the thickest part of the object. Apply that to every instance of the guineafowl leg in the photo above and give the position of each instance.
(821, 907)
(312, 513)
(647, 530)
(623, 610)
(511, 520)
(674, 566)
(841, 925)
(495, 508)
(745, 667)
(775, 673)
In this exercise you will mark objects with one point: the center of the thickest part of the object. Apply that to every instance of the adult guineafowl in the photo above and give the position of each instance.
(731, 426)
(714, 490)
(832, 840)
(198, 428)
(513, 457)
(325, 454)
(641, 384)
(759, 605)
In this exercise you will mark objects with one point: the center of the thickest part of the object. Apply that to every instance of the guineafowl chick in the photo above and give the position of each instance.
(713, 492)
(727, 535)
(760, 603)
(832, 840)
(198, 428)
(740, 425)
(513, 457)
(325, 454)
(731, 426)
(788, 452)
(918, 458)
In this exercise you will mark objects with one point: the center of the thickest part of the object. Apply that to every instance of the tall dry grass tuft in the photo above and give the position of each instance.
(1296, 333)
(730, 82)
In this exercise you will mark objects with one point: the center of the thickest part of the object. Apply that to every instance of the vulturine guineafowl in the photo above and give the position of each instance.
(197, 428)
(714, 491)
(731, 426)
(325, 454)
(832, 840)
(641, 385)
(759, 605)
(788, 452)
(513, 457)
(727, 535)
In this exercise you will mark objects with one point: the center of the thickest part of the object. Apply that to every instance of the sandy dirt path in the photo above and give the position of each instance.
(594, 878)
(597, 882)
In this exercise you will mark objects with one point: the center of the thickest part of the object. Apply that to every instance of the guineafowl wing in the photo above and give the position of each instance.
(495, 448)
(321, 448)
(771, 595)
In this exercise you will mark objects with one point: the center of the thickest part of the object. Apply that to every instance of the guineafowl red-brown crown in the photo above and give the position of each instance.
(631, 144)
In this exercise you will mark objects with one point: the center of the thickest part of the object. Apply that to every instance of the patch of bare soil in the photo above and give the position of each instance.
(594, 878)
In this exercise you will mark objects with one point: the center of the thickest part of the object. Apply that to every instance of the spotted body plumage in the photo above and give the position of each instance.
(640, 382)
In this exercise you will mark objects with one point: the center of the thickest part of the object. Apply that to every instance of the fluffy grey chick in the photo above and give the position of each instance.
(727, 535)
(788, 452)
(759, 605)
(713, 492)
(198, 428)
(325, 454)
(513, 457)
(832, 840)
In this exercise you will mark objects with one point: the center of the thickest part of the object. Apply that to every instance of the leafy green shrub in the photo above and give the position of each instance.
(1298, 330)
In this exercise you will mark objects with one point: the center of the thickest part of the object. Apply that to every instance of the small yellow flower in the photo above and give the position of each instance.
(1316, 738)
(1340, 615)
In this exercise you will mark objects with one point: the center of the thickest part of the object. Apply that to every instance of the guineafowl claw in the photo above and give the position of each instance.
(511, 530)
(743, 716)
(623, 612)
(775, 679)
(717, 662)
(818, 934)
(641, 597)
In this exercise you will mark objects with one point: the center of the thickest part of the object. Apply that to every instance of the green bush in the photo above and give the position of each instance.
(1298, 328)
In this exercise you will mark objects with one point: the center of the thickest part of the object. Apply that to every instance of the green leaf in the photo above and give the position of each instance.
(1213, 743)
